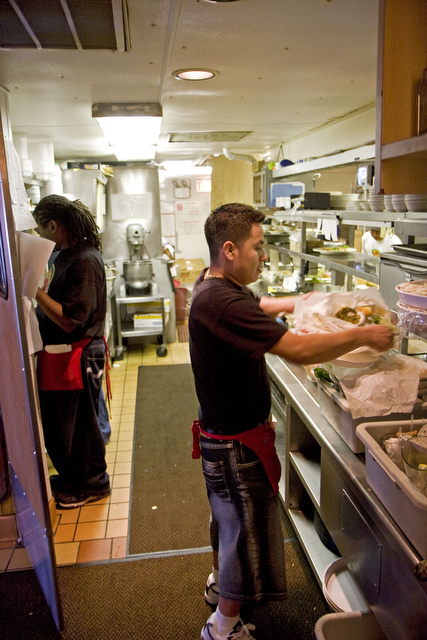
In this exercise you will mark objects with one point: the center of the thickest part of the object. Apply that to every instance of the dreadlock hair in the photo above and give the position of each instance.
(230, 222)
(74, 216)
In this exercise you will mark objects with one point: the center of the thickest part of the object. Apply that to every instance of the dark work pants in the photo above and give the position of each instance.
(72, 435)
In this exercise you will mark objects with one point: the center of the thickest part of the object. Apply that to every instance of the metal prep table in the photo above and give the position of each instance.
(321, 472)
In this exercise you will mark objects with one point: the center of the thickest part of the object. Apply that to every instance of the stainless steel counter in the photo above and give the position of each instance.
(333, 479)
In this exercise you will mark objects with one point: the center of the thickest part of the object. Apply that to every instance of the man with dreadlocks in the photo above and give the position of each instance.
(71, 312)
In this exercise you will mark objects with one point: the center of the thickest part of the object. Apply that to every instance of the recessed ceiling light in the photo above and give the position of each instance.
(214, 1)
(194, 74)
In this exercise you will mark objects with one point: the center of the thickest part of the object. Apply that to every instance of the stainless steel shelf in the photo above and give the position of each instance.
(339, 264)
(412, 227)
(318, 556)
(375, 219)
(309, 473)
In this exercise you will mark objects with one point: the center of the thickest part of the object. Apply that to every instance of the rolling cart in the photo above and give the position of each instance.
(127, 329)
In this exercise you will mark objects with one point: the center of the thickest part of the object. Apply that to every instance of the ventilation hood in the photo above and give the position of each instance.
(68, 24)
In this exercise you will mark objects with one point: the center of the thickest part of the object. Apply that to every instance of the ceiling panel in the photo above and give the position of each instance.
(284, 70)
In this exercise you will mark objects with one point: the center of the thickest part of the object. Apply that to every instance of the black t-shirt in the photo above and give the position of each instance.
(77, 282)
(229, 336)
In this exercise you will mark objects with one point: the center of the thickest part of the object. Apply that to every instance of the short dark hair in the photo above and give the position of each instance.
(230, 222)
(74, 216)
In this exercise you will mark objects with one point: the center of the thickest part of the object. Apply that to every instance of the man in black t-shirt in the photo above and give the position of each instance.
(231, 329)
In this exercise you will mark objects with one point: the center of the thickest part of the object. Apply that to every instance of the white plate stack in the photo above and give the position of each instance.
(342, 200)
(377, 202)
(416, 202)
(340, 589)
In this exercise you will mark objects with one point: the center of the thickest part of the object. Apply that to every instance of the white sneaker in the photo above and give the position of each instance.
(240, 630)
(211, 591)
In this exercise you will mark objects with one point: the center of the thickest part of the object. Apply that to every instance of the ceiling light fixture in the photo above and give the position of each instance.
(131, 129)
(194, 74)
(215, 1)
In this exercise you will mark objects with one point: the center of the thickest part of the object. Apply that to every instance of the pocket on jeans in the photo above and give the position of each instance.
(216, 481)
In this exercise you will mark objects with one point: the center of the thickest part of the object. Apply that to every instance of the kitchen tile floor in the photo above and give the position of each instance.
(98, 531)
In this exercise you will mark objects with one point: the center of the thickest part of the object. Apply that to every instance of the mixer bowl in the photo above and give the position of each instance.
(138, 273)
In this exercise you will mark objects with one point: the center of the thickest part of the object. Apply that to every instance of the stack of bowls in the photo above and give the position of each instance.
(416, 202)
(398, 202)
(354, 205)
(388, 203)
(342, 200)
(365, 205)
(376, 202)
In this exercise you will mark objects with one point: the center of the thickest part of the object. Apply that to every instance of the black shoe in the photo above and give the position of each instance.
(70, 501)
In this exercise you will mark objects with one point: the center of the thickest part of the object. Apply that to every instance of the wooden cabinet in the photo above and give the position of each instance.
(401, 155)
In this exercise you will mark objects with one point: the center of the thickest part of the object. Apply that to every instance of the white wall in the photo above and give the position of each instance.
(348, 133)
(192, 244)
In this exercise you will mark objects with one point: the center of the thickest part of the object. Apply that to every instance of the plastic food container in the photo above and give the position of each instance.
(414, 454)
(353, 625)
(405, 504)
(413, 319)
(413, 299)
(337, 412)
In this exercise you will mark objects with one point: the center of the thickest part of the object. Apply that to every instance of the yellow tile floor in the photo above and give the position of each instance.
(98, 531)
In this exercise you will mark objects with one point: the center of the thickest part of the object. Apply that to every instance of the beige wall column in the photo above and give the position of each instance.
(231, 181)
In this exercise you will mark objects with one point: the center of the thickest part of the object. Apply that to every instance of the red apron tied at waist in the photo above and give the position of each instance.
(61, 371)
(260, 440)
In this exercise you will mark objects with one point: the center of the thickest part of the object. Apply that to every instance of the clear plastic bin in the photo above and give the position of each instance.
(405, 504)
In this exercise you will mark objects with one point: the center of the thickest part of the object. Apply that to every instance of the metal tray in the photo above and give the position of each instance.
(417, 250)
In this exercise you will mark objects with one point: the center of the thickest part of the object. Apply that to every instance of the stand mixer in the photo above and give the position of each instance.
(138, 271)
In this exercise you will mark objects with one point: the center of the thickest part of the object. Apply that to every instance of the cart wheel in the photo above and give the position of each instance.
(162, 351)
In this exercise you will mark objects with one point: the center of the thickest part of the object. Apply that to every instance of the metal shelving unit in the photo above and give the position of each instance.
(356, 264)
(128, 330)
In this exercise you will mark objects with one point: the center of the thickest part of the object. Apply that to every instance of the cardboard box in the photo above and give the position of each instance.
(148, 321)
(189, 270)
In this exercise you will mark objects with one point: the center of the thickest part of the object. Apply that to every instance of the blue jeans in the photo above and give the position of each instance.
(245, 524)
(103, 419)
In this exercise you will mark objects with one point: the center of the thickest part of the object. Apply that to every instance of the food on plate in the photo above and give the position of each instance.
(365, 309)
(336, 248)
(419, 288)
(363, 314)
(348, 314)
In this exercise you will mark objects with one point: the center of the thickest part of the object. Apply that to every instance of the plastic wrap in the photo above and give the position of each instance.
(317, 314)
(412, 319)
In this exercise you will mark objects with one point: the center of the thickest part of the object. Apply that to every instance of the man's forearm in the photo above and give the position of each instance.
(311, 348)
